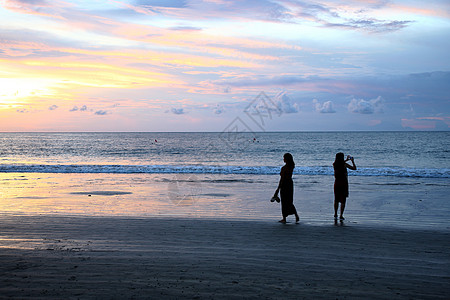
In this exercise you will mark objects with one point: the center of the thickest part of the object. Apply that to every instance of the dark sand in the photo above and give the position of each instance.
(124, 258)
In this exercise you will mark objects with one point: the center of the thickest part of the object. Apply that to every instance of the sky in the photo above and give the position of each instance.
(218, 65)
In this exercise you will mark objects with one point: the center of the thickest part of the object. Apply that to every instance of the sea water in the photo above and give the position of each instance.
(402, 178)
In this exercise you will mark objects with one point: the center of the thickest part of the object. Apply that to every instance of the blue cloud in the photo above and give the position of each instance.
(219, 109)
(185, 28)
(262, 81)
(162, 3)
(324, 108)
(177, 111)
(284, 104)
(362, 106)
(376, 26)
(75, 108)
(101, 112)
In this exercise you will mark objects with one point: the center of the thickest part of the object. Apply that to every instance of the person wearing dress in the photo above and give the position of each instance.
(341, 182)
(286, 189)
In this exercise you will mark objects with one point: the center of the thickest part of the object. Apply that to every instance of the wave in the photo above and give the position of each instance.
(202, 169)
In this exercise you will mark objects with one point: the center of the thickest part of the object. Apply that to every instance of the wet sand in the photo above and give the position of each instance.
(56, 257)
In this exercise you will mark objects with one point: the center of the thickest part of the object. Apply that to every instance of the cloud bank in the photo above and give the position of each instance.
(368, 57)
(361, 106)
(285, 104)
(324, 108)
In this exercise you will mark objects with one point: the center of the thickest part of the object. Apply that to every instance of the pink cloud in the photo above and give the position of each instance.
(374, 122)
(36, 7)
(420, 124)
(428, 10)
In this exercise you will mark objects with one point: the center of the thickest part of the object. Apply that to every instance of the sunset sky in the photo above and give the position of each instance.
(193, 65)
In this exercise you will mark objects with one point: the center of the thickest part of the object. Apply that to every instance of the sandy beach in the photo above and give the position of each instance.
(161, 236)
(159, 258)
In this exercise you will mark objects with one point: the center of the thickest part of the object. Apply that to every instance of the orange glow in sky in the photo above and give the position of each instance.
(129, 65)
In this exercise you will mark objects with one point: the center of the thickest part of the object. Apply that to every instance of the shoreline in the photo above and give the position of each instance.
(405, 203)
(147, 257)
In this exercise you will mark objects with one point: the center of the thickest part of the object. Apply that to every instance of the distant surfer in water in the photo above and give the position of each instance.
(286, 189)
(340, 166)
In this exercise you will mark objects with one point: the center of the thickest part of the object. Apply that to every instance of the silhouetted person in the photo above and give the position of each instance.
(286, 189)
(341, 182)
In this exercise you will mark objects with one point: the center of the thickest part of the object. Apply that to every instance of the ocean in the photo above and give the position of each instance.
(402, 177)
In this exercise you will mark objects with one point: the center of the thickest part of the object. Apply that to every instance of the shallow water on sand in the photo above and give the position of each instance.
(420, 203)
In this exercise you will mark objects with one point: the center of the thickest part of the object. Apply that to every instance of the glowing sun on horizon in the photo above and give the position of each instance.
(18, 90)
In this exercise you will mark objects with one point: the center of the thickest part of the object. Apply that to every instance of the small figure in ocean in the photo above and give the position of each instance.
(340, 166)
(286, 189)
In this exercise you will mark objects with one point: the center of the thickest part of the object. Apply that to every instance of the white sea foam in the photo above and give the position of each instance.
(196, 169)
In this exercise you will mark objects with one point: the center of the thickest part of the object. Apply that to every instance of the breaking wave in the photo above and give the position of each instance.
(202, 169)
